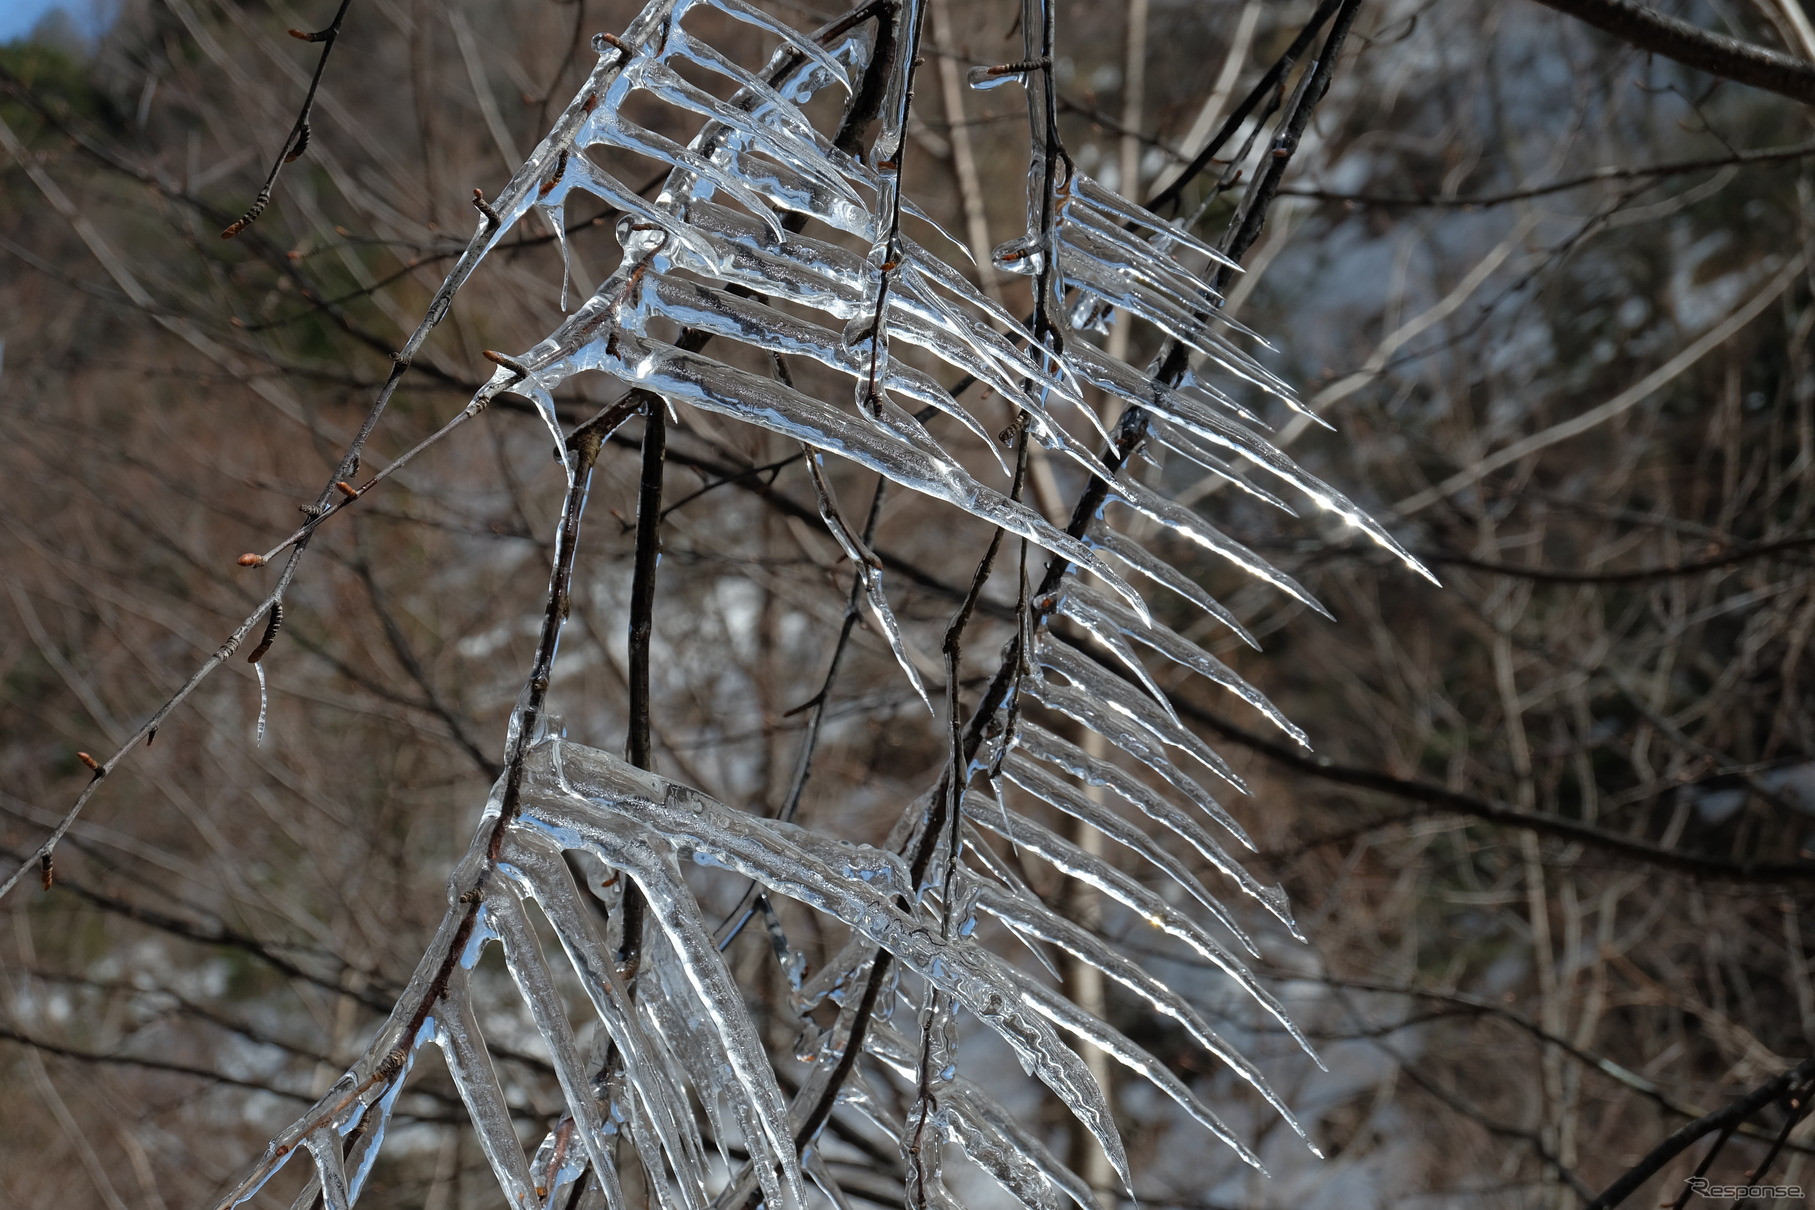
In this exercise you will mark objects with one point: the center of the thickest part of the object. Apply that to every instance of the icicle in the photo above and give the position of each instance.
(1043, 785)
(1100, 615)
(1049, 748)
(1088, 195)
(970, 1108)
(557, 1163)
(557, 222)
(535, 984)
(1101, 701)
(1092, 870)
(1193, 525)
(1112, 638)
(1116, 1045)
(1173, 438)
(1010, 1150)
(816, 1168)
(777, 855)
(869, 573)
(365, 1152)
(922, 1143)
(985, 78)
(470, 1066)
(324, 1149)
(919, 464)
(1162, 572)
(975, 847)
(263, 703)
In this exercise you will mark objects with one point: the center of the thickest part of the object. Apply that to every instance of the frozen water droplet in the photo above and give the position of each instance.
(264, 702)
(1023, 255)
(985, 78)
(860, 336)
(1091, 315)
(810, 1043)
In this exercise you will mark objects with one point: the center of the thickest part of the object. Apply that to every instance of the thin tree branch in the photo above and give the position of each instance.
(1271, 80)
(1246, 227)
(406, 655)
(1786, 278)
(1683, 1137)
(642, 629)
(1531, 1138)
(1651, 31)
(297, 141)
(264, 951)
(642, 582)
(1693, 864)
(1763, 155)
(1553, 575)
(336, 488)
(182, 1069)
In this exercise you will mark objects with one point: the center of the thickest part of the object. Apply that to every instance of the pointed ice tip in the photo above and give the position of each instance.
(1121, 587)
(1247, 1155)
(1136, 602)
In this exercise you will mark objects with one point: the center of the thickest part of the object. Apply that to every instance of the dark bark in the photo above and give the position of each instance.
(1692, 46)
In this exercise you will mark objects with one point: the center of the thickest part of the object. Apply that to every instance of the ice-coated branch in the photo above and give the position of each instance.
(747, 255)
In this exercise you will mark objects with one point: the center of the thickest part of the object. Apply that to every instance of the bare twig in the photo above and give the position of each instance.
(1787, 276)
(1603, 175)
(1640, 575)
(1269, 82)
(297, 141)
(1718, 55)
(1682, 1138)
(1693, 864)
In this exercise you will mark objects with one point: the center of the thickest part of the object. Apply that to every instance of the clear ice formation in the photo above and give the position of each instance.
(665, 1061)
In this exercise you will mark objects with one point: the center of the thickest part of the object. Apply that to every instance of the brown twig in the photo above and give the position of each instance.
(1264, 87)
(1693, 864)
(1603, 175)
(297, 141)
(1648, 30)
(1682, 1138)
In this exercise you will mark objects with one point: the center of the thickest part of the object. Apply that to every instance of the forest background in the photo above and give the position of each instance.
(1552, 853)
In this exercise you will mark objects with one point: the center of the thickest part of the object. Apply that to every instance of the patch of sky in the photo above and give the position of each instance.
(85, 19)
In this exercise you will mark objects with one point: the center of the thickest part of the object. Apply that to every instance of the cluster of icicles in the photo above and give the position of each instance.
(714, 253)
